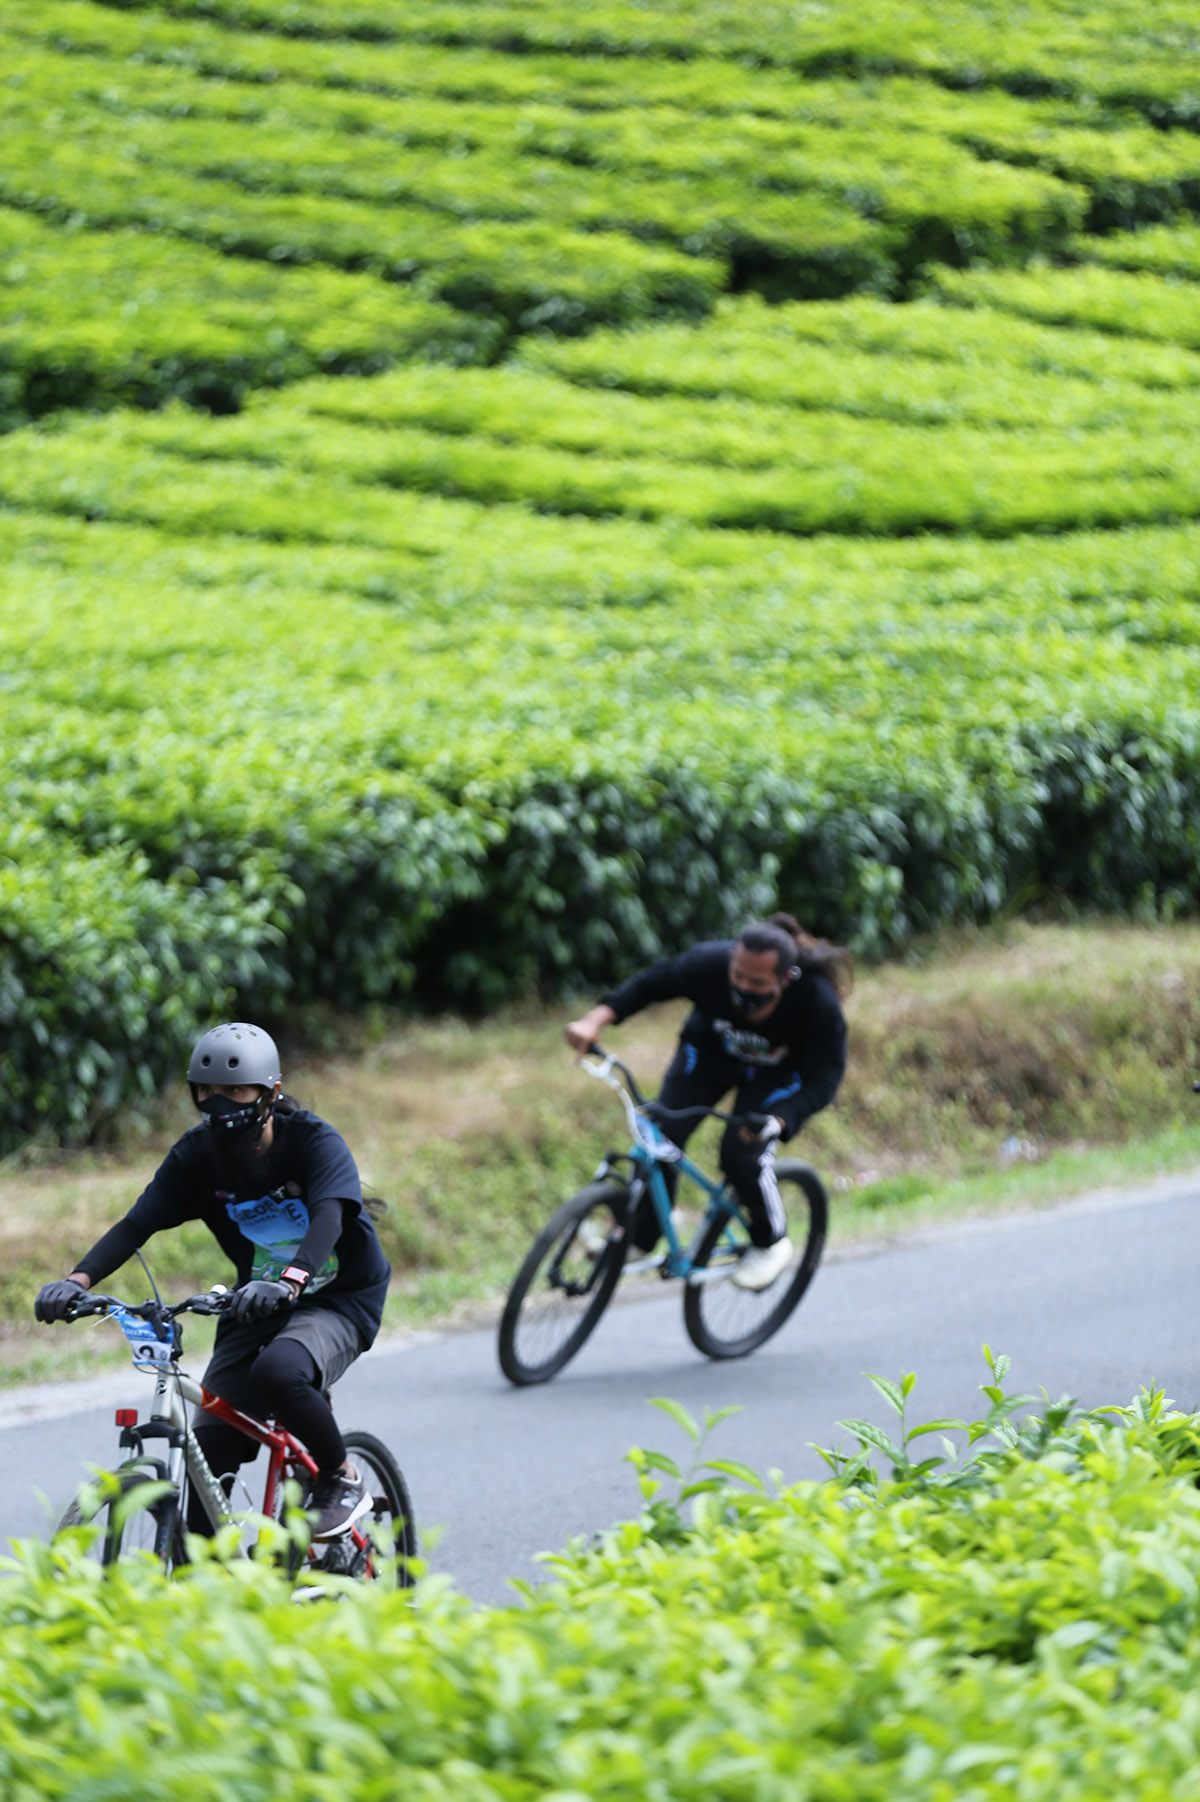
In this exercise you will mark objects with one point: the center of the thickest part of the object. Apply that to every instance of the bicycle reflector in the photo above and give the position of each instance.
(127, 1417)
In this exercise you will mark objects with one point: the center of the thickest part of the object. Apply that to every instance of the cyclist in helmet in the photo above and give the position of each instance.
(766, 1021)
(278, 1189)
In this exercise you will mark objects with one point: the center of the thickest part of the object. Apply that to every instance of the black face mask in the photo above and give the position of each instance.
(749, 1001)
(241, 1165)
(232, 1121)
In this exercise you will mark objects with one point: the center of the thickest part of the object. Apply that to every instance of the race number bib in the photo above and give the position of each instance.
(275, 1225)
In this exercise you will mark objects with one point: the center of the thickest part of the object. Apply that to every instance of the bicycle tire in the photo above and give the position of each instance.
(561, 1290)
(723, 1321)
(125, 1528)
(392, 1510)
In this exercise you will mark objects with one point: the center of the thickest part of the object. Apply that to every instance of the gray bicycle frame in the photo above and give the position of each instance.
(168, 1420)
(651, 1149)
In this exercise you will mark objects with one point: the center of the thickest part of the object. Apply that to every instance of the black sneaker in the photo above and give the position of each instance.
(338, 1501)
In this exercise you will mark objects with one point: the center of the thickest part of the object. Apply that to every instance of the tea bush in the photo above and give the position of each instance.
(482, 754)
(1022, 1621)
(1110, 48)
(94, 317)
(1133, 304)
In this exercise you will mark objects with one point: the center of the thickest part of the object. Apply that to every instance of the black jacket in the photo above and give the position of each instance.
(805, 1037)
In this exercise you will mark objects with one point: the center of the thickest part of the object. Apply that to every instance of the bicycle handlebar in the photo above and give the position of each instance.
(215, 1301)
(654, 1110)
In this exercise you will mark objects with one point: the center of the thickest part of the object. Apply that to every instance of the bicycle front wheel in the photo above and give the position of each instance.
(130, 1514)
(724, 1321)
(564, 1285)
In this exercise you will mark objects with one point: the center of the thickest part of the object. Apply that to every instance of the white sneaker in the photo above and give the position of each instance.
(763, 1264)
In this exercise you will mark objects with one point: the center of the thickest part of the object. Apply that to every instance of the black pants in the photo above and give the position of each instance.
(277, 1367)
(699, 1078)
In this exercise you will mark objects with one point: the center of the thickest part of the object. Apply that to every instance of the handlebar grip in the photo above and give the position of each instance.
(88, 1304)
(208, 1303)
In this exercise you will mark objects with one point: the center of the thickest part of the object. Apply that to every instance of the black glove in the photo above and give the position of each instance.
(55, 1300)
(254, 1301)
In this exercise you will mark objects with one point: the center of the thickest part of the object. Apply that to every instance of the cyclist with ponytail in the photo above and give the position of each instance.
(767, 1022)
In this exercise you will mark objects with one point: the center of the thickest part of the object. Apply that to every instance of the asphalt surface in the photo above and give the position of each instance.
(1094, 1299)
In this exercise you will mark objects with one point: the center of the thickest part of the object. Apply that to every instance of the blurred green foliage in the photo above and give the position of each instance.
(1016, 1611)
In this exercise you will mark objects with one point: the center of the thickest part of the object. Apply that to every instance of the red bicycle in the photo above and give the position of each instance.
(141, 1505)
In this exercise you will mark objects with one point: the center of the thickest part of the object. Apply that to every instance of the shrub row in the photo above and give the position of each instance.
(534, 214)
(596, 172)
(193, 39)
(1110, 48)
(909, 153)
(131, 316)
(1159, 250)
(1133, 304)
(553, 749)
(923, 363)
(529, 274)
(725, 390)
(1023, 1622)
(837, 473)
(103, 972)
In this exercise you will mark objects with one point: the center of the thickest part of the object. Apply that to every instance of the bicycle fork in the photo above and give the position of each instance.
(184, 1458)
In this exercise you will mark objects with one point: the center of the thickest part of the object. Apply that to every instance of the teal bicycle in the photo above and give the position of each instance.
(574, 1265)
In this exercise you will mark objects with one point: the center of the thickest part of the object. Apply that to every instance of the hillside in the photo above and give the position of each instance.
(492, 490)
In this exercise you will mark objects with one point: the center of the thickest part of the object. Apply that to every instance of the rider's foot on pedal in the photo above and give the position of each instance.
(763, 1264)
(339, 1498)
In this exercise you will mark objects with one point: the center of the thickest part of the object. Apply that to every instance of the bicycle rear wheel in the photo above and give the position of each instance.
(564, 1285)
(391, 1523)
(724, 1321)
(134, 1517)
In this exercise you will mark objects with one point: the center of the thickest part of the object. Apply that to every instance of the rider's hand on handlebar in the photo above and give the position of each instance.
(583, 1035)
(56, 1301)
(770, 1127)
(254, 1301)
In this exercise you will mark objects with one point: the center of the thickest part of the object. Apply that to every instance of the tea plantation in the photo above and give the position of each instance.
(491, 490)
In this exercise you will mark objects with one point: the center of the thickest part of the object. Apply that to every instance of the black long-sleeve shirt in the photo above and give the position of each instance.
(805, 1036)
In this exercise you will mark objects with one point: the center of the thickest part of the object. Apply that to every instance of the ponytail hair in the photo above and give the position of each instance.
(796, 949)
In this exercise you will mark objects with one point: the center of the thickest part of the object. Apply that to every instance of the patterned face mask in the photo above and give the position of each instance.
(232, 1119)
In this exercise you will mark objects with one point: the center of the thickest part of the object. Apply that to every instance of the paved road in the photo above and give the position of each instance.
(1093, 1298)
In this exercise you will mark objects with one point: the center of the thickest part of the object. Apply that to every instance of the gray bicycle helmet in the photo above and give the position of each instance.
(233, 1054)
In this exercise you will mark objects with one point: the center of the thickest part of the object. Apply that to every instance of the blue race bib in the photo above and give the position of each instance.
(275, 1225)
